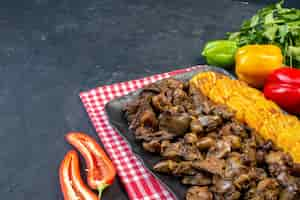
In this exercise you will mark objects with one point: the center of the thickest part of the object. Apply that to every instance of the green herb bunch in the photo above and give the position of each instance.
(273, 25)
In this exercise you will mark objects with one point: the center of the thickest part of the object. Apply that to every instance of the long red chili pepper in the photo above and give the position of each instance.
(283, 87)
(71, 182)
(100, 170)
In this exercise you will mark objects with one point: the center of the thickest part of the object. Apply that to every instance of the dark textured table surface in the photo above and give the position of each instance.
(50, 50)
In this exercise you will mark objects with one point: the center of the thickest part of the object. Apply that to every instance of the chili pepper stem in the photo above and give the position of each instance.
(101, 188)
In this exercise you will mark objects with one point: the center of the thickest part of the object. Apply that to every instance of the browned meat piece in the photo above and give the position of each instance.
(199, 193)
(173, 83)
(161, 103)
(268, 188)
(178, 123)
(220, 150)
(243, 181)
(145, 117)
(171, 150)
(207, 107)
(152, 146)
(142, 132)
(249, 151)
(131, 109)
(222, 185)
(148, 118)
(165, 166)
(205, 143)
(184, 168)
(170, 95)
(211, 165)
(225, 188)
(278, 162)
(181, 150)
(200, 102)
(199, 179)
(234, 166)
(213, 135)
(234, 128)
(259, 173)
(176, 168)
(249, 156)
(190, 138)
(249, 179)
(232, 195)
(222, 111)
(251, 194)
(288, 181)
(233, 140)
(196, 126)
(197, 97)
(278, 157)
(191, 152)
(226, 129)
(286, 194)
(179, 97)
(148, 135)
(267, 145)
(194, 111)
(260, 156)
(210, 122)
(153, 87)
(295, 169)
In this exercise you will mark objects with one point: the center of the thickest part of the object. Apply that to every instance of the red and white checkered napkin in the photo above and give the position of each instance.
(139, 183)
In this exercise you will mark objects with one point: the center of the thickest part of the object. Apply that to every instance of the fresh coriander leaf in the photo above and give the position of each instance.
(273, 25)
(269, 18)
(291, 16)
(234, 36)
(279, 4)
(283, 31)
(270, 32)
(254, 21)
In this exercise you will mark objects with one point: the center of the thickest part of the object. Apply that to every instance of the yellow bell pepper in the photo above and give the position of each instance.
(255, 62)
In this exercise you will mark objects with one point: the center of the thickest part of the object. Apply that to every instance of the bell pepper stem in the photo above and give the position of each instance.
(101, 188)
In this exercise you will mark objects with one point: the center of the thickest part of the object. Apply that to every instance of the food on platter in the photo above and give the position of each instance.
(207, 144)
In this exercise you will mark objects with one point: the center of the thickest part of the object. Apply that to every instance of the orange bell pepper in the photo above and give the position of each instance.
(255, 62)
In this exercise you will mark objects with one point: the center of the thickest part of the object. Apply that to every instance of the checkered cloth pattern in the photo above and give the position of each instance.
(139, 183)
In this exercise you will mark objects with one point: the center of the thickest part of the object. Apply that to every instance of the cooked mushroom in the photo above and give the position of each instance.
(205, 143)
(196, 126)
(148, 135)
(212, 165)
(235, 166)
(152, 146)
(220, 150)
(199, 193)
(176, 168)
(178, 123)
(190, 138)
(210, 122)
(200, 179)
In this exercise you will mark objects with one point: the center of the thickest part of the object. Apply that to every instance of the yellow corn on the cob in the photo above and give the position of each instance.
(253, 108)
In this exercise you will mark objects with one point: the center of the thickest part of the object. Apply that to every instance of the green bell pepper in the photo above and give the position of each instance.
(220, 53)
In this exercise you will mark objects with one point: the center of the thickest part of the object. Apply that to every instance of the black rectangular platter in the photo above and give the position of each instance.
(118, 122)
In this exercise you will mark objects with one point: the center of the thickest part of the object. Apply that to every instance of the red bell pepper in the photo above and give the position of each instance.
(71, 182)
(100, 170)
(283, 87)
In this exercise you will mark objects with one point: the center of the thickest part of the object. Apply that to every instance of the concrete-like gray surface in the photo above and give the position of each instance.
(50, 50)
